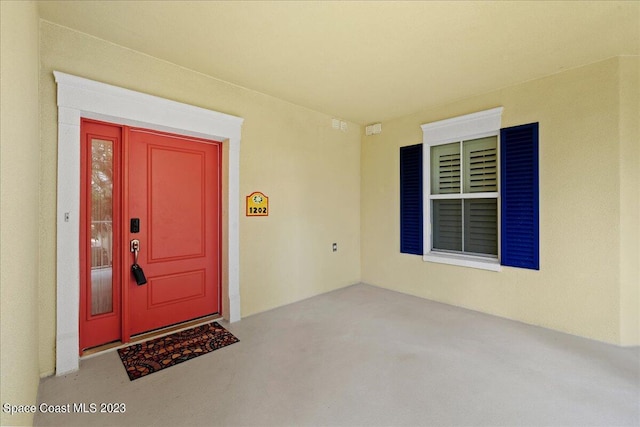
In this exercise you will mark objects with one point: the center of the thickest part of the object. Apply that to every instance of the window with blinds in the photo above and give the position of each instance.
(464, 194)
(465, 174)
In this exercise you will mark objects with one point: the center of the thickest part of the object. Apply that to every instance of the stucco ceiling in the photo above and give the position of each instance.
(364, 61)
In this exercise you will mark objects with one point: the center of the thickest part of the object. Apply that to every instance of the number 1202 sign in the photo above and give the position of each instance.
(257, 204)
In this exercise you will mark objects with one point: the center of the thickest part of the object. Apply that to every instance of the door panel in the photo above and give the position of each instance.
(177, 179)
(174, 188)
(177, 287)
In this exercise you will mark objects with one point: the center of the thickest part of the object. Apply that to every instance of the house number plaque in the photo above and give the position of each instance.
(257, 204)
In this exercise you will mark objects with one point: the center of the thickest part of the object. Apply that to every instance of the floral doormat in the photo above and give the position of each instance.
(151, 356)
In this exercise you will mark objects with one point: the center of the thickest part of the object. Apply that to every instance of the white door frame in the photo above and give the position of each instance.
(79, 97)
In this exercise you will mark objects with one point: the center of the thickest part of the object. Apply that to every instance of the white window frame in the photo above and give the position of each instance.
(471, 126)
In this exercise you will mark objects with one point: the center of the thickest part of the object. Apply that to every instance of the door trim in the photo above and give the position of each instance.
(83, 98)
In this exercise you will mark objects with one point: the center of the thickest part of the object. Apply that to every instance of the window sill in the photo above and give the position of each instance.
(463, 260)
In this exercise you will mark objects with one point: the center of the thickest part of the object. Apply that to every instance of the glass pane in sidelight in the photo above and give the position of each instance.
(101, 226)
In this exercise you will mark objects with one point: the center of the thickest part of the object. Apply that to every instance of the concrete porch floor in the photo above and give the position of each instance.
(363, 356)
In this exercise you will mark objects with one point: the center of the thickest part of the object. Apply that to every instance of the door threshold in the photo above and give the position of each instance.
(105, 348)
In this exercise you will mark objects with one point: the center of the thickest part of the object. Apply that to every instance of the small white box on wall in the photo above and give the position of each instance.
(373, 129)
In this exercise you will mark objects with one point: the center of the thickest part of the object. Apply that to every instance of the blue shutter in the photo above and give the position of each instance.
(519, 196)
(411, 199)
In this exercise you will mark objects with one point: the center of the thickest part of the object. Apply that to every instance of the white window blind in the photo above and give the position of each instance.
(481, 226)
(447, 225)
(481, 164)
(445, 169)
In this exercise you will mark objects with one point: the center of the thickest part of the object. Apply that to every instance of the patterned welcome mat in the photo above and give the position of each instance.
(148, 357)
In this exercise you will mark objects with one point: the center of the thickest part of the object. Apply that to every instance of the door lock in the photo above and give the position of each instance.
(135, 248)
(134, 225)
(136, 270)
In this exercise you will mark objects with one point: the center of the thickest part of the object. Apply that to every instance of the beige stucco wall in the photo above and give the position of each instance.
(629, 90)
(578, 288)
(20, 155)
(310, 172)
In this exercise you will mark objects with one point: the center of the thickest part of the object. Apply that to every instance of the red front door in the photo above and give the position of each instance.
(172, 185)
(174, 191)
